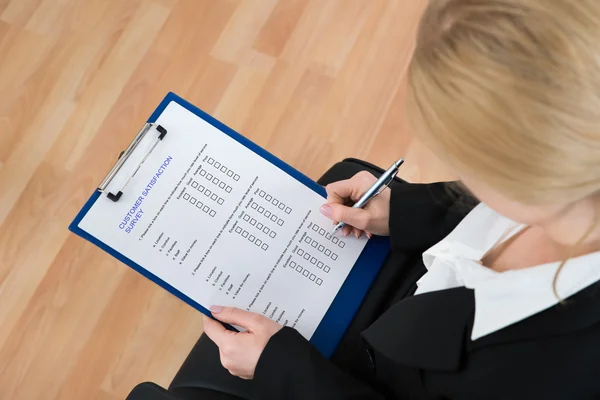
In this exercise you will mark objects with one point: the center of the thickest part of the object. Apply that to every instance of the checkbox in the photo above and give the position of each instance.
(300, 252)
(209, 176)
(272, 234)
(342, 244)
(281, 206)
(266, 229)
(269, 198)
(275, 202)
(220, 201)
(206, 209)
(334, 256)
(230, 173)
(194, 184)
(193, 200)
(254, 205)
(312, 277)
(319, 281)
(327, 252)
(211, 161)
(252, 221)
(259, 226)
(306, 256)
(246, 217)
(215, 180)
(299, 268)
(207, 192)
(214, 197)
(212, 213)
(262, 193)
(261, 209)
(315, 228)
(245, 234)
(223, 169)
(236, 177)
(267, 213)
(199, 205)
(307, 239)
(222, 185)
(314, 244)
(292, 263)
(217, 165)
(202, 172)
(186, 196)
(328, 236)
(228, 189)
(273, 218)
(321, 248)
(306, 273)
(238, 229)
(258, 242)
(288, 210)
(320, 264)
(264, 246)
(251, 238)
(326, 268)
(313, 260)
(322, 232)
(201, 188)
(335, 240)
(280, 222)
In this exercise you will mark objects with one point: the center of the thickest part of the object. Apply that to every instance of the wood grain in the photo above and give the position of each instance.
(313, 81)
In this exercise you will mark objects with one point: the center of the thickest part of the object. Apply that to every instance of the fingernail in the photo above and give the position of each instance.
(216, 309)
(369, 235)
(326, 210)
(346, 233)
(356, 234)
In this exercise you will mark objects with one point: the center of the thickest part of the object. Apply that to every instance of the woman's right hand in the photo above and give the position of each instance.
(372, 220)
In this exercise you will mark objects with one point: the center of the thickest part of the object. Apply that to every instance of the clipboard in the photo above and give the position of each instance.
(348, 299)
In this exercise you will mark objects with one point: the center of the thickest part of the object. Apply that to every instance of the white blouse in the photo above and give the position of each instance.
(501, 298)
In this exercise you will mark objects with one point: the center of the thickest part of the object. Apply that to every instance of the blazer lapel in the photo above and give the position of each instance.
(425, 331)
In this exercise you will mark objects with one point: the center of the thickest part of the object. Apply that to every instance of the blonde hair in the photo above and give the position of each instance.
(510, 91)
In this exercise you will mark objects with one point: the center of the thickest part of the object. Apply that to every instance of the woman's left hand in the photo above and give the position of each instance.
(240, 351)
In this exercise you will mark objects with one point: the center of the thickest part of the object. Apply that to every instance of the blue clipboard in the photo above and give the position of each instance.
(345, 305)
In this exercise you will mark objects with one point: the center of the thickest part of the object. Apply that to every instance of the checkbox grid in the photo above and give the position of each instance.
(323, 232)
(259, 226)
(199, 205)
(274, 201)
(319, 247)
(251, 238)
(266, 213)
(207, 192)
(222, 169)
(305, 272)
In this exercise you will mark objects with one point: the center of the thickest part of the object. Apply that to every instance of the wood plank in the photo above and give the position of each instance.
(312, 81)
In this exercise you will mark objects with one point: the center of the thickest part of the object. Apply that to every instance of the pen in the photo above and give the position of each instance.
(384, 181)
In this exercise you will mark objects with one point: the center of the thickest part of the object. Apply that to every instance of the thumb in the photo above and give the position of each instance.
(235, 316)
(356, 217)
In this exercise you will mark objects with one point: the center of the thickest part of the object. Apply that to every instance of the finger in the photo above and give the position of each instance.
(338, 192)
(346, 230)
(369, 235)
(214, 330)
(235, 316)
(357, 232)
(357, 217)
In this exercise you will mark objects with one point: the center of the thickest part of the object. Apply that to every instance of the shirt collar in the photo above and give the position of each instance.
(501, 298)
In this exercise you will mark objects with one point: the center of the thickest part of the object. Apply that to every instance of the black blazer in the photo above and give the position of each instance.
(419, 347)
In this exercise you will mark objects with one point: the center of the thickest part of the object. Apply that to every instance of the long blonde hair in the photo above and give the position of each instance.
(510, 91)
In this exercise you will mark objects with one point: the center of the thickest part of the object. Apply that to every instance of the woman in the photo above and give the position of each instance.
(507, 93)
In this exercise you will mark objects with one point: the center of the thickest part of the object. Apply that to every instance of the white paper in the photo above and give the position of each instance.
(224, 226)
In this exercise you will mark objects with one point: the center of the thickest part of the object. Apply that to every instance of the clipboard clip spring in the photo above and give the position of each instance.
(124, 156)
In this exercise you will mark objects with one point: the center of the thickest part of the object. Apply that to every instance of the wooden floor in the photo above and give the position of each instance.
(313, 81)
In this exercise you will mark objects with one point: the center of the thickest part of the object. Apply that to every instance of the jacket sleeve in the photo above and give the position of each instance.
(291, 368)
(423, 214)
